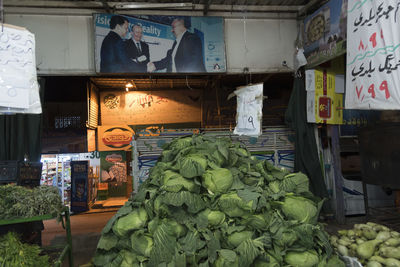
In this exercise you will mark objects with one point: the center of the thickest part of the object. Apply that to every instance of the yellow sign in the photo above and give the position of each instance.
(324, 103)
(112, 138)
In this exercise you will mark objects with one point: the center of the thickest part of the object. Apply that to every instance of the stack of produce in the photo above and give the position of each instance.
(15, 253)
(208, 202)
(372, 244)
(21, 202)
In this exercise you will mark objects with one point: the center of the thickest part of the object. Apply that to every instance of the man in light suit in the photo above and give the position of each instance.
(186, 54)
(137, 50)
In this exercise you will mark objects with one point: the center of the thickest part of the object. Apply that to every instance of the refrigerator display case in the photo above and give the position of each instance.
(56, 171)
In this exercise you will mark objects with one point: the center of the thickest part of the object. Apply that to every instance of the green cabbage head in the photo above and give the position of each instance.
(129, 259)
(178, 229)
(299, 208)
(135, 220)
(302, 259)
(192, 165)
(214, 217)
(174, 182)
(142, 243)
(233, 205)
(218, 181)
(237, 238)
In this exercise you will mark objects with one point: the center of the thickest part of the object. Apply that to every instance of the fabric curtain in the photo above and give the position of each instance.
(21, 134)
(306, 151)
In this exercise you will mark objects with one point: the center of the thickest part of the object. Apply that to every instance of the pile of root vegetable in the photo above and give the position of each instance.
(374, 245)
(209, 202)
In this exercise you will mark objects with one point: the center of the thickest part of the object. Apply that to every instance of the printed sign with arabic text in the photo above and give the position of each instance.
(150, 107)
(373, 55)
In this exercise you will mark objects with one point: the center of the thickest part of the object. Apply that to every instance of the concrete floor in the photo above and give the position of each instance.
(85, 229)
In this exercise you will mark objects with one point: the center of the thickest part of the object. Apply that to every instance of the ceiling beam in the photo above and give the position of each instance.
(106, 6)
(102, 4)
(206, 7)
(304, 10)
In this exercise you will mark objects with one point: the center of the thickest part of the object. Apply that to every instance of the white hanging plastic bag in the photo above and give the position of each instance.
(19, 89)
(249, 110)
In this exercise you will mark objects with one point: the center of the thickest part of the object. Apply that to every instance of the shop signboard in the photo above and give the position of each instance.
(325, 33)
(119, 137)
(324, 100)
(113, 172)
(155, 43)
(373, 55)
(79, 186)
(113, 166)
(116, 137)
(354, 119)
(150, 107)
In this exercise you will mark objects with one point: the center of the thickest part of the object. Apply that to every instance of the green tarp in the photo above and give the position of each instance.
(306, 152)
(20, 134)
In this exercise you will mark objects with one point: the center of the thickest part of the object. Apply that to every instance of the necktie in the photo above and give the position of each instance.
(138, 47)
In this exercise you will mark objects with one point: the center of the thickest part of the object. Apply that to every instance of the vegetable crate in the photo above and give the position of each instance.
(8, 172)
(65, 222)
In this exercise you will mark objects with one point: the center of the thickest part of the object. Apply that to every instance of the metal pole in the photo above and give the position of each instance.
(69, 237)
(337, 174)
(135, 165)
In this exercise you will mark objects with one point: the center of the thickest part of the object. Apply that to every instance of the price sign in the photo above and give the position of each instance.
(249, 110)
(373, 55)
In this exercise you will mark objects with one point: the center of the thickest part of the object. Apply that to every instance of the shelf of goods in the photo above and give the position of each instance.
(65, 221)
(57, 172)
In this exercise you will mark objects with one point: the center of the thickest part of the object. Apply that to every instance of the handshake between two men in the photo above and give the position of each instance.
(151, 67)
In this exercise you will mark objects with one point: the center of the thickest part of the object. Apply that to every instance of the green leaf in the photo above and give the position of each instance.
(194, 202)
(107, 241)
(223, 149)
(102, 259)
(164, 244)
(248, 195)
(235, 228)
(213, 245)
(192, 242)
(248, 251)
(228, 254)
(109, 225)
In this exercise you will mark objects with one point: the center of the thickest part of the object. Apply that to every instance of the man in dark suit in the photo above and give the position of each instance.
(112, 53)
(186, 54)
(137, 50)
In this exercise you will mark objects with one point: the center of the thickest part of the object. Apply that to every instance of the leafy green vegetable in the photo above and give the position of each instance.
(135, 220)
(15, 253)
(208, 202)
(22, 202)
(302, 259)
(218, 181)
(141, 243)
(237, 238)
(299, 208)
(192, 165)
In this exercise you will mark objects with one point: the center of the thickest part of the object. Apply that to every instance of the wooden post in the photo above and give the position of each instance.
(337, 169)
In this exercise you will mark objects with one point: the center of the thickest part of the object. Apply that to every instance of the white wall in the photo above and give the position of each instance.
(65, 43)
(268, 43)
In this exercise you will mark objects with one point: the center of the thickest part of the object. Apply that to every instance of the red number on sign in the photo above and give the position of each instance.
(372, 39)
(384, 87)
(371, 90)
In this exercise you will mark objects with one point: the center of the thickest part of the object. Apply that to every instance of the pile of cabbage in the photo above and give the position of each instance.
(208, 202)
(374, 245)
